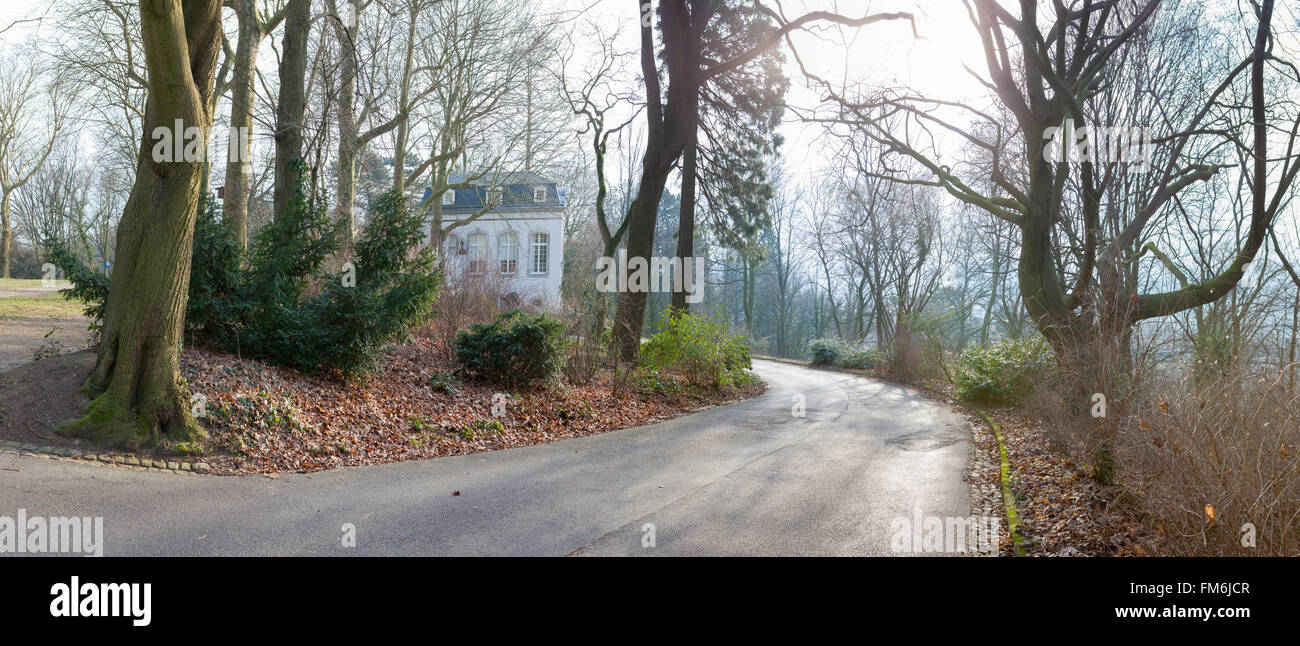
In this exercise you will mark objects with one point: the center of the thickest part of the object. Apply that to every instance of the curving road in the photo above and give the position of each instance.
(747, 479)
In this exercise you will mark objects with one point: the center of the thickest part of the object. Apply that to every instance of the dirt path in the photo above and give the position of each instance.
(27, 291)
(26, 330)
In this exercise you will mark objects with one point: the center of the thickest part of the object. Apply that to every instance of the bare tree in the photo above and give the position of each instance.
(67, 198)
(359, 125)
(1059, 69)
(672, 117)
(785, 256)
(1047, 67)
(474, 67)
(595, 101)
(291, 109)
(257, 19)
(98, 50)
(33, 113)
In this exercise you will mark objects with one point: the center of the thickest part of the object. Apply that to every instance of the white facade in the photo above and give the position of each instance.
(515, 249)
(524, 251)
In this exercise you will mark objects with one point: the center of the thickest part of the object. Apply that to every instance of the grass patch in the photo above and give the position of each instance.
(26, 283)
(51, 305)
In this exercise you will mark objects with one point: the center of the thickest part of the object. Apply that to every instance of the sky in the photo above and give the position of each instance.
(16, 11)
(883, 52)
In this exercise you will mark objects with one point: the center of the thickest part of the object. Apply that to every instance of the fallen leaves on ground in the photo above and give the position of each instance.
(1063, 510)
(267, 419)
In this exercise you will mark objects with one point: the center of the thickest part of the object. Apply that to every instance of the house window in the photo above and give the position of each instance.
(494, 195)
(541, 249)
(477, 253)
(455, 246)
(507, 252)
(449, 197)
(539, 194)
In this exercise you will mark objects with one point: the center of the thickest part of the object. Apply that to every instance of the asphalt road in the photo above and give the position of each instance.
(747, 479)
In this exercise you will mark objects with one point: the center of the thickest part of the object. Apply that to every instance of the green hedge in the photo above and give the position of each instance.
(515, 349)
(700, 348)
(1004, 372)
(826, 352)
(278, 302)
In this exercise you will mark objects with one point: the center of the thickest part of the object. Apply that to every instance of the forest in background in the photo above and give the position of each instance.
(931, 237)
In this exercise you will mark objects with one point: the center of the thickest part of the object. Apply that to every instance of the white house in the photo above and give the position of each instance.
(519, 240)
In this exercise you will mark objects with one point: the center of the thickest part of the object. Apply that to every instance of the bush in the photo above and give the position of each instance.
(700, 348)
(917, 349)
(284, 308)
(1206, 458)
(860, 357)
(826, 352)
(467, 299)
(1004, 372)
(88, 286)
(444, 382)
(514, 349)
(388, 290)
(648, 381)
(588, 352)
(216, 297)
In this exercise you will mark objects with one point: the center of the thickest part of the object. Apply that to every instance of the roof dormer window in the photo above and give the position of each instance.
(539, 194)
(449, 197)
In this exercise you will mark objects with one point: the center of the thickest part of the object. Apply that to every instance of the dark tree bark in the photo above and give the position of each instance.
(345, 115)
(293, 102)
(686, 221)
(138, 398)
(671, 123)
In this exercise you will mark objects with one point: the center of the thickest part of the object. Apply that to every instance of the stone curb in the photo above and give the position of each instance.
(125, 461)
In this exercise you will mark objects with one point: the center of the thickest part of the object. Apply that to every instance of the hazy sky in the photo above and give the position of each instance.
(884, 52)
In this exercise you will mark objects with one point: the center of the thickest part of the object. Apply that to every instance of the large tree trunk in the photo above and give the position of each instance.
(667, 133)
(6, 235)
(136, 385)
(293, 102)
(344, 104)
(686, 223)
(630, 314)
(234, 206)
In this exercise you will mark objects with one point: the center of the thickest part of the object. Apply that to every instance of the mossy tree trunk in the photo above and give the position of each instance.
(293, 101)
(6, 235)
(138, 397)
(345, 30)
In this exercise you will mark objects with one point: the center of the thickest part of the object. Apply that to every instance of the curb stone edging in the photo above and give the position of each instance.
(1005, 475)
(124, 461)
(1008, 497)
